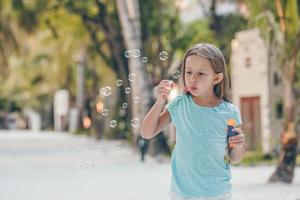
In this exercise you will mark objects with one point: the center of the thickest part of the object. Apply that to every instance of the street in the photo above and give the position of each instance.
(62, 166)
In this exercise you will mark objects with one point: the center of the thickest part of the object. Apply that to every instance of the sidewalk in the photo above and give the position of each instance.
(49, 166)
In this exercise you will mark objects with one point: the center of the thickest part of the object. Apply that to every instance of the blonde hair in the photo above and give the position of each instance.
(216, 58)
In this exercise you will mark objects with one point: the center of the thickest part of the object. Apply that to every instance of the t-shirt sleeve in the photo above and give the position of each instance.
(172, 107)
(237, 115)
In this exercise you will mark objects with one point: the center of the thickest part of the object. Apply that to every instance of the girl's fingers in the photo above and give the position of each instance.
(165, 94)
(164, 91)
(237, 137)
(237, 130)
(234, 129)
(165, 87)
(166, 83)
(236, 140)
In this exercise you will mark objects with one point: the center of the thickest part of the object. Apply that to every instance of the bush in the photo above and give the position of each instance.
(254, 158)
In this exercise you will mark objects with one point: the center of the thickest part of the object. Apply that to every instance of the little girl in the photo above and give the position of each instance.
(201, 156)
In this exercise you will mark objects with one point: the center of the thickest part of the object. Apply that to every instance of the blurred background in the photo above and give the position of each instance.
(78, 77)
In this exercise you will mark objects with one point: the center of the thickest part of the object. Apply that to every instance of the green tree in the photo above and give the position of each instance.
(282, 19)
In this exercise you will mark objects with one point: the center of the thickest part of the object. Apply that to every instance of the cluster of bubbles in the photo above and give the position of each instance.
(135, 123)
(136, 53)
(107, 91)
(88, 166)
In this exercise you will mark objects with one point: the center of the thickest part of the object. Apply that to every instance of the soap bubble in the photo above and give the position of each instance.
(113, 123)
(128, 90)
(176, 74)
(119, 82)
(135, 122)
(144, 59)
(163, 55)
(136, 100)
(131, 77)
(136, 53)
(105, 91)
(127, 53)
(104, 112)
(124, 105)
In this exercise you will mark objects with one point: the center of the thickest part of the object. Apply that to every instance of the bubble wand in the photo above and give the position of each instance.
(230, 126)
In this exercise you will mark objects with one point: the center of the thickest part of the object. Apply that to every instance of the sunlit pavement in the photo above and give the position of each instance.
(60, 166)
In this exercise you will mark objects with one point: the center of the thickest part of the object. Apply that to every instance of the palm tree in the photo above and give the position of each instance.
(290, 28)
(285, 35)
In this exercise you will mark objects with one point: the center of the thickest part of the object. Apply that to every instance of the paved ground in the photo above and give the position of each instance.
(59, 166)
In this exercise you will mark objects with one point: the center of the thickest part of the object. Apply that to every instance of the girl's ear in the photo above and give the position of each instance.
(219, 78)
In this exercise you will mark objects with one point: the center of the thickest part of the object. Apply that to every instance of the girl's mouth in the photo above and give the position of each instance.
(191, 88)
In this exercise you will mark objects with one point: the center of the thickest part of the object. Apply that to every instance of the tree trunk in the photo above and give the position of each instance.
(288, 153)
(80, 88)
(129, 16)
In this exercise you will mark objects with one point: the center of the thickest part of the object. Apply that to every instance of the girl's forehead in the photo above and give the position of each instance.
(196, 62)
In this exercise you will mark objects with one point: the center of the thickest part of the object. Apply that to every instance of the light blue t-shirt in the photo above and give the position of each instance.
(198, 165)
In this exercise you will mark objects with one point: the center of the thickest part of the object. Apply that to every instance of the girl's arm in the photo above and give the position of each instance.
(237, 152)
(156, 119)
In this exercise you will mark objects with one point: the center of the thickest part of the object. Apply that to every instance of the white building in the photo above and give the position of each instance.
(256, 90)
(191, 10)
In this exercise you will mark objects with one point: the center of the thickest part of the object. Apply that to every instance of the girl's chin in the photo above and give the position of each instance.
(194, 93)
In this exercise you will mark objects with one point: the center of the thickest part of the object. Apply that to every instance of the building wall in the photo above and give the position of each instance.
(250, 76)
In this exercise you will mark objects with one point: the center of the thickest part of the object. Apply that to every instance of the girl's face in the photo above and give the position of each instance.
(199, 75)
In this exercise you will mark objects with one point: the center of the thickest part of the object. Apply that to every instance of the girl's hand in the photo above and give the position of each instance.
(163, 90)
(238, 140)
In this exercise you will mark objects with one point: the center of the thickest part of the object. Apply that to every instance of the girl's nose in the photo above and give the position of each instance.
(194, 79)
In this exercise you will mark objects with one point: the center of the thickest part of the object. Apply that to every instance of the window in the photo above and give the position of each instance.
(279, 110)
(276, 79)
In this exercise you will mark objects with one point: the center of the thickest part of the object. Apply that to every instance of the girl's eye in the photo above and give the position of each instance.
(189, 72)
(201, 73)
